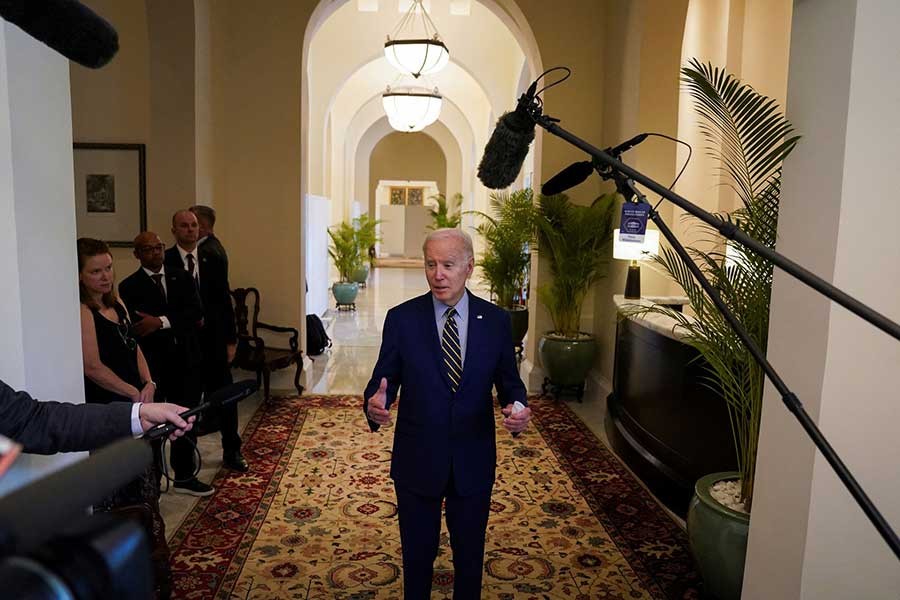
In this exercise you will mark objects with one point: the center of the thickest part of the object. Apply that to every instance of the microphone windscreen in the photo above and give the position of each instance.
(67, 26)
(568, 178)
(233, 392)
(33, 514)
(506, 150)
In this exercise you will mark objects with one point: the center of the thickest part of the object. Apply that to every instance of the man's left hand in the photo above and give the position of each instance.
(515, 423)
(147, 325)
(231, 349)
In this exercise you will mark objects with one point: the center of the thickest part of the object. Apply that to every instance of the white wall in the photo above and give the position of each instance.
(41, 352)
(316, 218)
(808, 539)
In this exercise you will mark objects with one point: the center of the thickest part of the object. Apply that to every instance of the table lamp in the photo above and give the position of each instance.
(635, 251)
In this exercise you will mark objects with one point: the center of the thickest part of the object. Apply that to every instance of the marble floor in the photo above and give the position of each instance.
(343, 369)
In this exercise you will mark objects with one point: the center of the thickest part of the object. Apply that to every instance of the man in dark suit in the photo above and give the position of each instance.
(218, 337)
(206, 219)
(166, 312)
(51, 427)
(446, 350)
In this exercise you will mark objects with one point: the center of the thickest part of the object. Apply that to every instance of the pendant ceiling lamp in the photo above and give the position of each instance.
(411, 108)
(415, 47)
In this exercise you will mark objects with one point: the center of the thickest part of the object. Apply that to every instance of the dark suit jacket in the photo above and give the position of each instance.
(50, 427)
(437, 429)
(167, 350)
(214, 246)
(218, 313)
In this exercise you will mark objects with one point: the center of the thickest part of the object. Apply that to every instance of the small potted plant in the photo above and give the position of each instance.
(366, 233)
(508, 233)
(344, 251)
(577, 242)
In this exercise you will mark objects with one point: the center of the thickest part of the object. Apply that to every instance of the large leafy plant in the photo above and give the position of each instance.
(507, 234)
(344, 250)
(366, 234)
(750, 137)
(447, 212)
(576, 240)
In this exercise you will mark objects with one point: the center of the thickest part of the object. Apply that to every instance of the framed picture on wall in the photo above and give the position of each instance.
(110, 191)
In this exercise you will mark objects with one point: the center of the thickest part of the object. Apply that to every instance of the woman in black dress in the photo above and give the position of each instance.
(115, 370)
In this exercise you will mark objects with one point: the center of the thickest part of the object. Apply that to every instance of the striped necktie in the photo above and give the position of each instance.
(451, 349)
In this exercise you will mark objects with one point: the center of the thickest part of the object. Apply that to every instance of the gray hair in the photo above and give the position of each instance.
(451, 233)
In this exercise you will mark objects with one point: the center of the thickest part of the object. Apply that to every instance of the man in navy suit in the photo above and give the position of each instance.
(446, 350)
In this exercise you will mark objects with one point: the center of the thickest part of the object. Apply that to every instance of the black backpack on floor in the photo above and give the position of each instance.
(316, 338)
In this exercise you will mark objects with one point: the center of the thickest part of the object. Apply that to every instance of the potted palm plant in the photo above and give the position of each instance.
(508, 234)
(751, 138)
(446, 214)
(344, 251)
(576, 240)
(366, 233)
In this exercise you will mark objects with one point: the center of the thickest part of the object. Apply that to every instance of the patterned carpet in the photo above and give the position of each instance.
(316, 517)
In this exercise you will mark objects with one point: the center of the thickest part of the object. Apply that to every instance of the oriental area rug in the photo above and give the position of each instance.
(316, 518)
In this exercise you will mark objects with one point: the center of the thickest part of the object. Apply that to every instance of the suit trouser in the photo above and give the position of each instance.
(183, 389)
(420, 529)
(216, 375)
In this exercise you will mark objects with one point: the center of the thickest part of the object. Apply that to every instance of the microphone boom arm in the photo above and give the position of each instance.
(609, 167)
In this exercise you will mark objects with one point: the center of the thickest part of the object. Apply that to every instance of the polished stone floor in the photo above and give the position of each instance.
(343, 369)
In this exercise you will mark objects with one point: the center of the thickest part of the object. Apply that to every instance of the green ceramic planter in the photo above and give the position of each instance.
(567, 361)
(518, 318)
(361, 274)
(345, 293)
(718, 540)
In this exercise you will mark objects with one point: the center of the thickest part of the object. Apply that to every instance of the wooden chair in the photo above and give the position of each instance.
(252, 352)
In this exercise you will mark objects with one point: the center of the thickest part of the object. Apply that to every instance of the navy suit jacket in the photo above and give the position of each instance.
(435, 428)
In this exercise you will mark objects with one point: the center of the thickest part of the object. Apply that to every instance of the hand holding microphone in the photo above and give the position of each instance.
(517, 417)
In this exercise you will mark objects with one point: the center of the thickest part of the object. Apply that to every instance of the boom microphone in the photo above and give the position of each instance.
(506, 150)
(568, 178)
(67, 26)
(33, 514)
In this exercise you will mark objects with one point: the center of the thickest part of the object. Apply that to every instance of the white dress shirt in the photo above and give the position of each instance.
(150, 274)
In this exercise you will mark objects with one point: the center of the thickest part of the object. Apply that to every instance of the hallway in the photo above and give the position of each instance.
(345, 368)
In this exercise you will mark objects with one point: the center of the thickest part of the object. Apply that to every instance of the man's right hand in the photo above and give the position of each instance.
(376, 410)
(154, 414)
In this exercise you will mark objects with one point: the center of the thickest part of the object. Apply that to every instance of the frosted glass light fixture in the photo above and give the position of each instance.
(411, 108)
(415, 46)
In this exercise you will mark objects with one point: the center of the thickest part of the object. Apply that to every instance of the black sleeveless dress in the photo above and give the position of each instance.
(117, 347)
(118, 351)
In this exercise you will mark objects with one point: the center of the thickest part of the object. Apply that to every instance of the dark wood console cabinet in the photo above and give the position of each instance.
(661, 419)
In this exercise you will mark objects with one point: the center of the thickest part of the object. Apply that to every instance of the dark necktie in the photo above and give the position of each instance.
(157, 279)
(451, 350)
(191, 266)
(192, 269)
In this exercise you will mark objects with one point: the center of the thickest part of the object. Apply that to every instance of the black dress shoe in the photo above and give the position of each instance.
(235, 462)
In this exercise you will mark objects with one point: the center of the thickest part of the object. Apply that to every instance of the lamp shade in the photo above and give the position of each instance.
(411, 109)
(417, 56)
(415, 47)
(636, 250)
